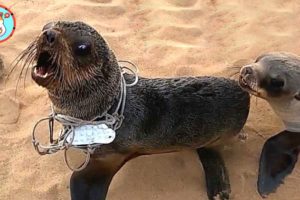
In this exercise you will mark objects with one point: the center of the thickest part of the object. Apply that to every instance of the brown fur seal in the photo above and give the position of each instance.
(276, 78)
(82, 76)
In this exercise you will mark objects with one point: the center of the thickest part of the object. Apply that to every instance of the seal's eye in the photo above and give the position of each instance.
(83, 49)
(276, 83)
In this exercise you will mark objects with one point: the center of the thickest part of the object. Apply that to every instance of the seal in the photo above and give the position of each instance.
(82, 76)
(275, 77)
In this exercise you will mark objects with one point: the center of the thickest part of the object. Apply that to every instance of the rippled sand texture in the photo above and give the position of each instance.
(164, 38)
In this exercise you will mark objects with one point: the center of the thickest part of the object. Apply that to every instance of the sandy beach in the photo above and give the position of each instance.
(164, 38)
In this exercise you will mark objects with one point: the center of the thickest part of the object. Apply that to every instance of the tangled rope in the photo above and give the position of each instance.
(63, 142)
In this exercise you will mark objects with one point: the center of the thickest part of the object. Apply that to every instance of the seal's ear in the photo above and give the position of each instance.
(278, 159)
(297, 96)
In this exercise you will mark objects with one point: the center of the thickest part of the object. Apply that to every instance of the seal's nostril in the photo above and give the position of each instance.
(50, 36)
(247, 70)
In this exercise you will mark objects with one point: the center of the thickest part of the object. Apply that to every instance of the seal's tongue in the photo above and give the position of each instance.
(41, 71)
(43, 64)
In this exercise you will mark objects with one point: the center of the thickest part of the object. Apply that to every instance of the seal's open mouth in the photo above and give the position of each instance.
(44, 69)
(45, 65)
(243, 82)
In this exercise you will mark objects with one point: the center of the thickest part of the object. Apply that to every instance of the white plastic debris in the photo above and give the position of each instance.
(92, 134)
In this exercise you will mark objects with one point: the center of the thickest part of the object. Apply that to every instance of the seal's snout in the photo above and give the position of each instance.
(47, 56)
(246, 76)
(247, 79)
(247, 70)
(50, 36)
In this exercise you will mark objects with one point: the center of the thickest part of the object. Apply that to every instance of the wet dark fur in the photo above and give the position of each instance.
(166, 115)
(161, 115)
(178, 113)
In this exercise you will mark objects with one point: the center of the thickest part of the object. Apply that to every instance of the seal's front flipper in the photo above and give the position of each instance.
(278, 159)
(89, 186)
(92, 182)
(217, 180)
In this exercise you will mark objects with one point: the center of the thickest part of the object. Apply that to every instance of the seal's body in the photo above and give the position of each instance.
(82, 76)
(276, 78)
(164, 115)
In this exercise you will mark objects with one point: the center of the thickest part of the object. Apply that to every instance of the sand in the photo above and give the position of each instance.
(164, 38)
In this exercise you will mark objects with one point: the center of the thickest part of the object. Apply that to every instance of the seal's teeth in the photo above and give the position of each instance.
(244, 81)
(38, 74)
(45, 76)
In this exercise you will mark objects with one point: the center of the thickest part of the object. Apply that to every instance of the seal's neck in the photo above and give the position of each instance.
(92, 98)
(289, 112)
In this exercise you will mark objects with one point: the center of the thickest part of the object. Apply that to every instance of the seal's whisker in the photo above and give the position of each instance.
(256, 87)
(256, 90)
(29, 58)
(24, 82)
(26, 56)
(256, 100)
(17, 61)
(19, 78)
(27, 69)
(58, 75)
(60, 63)
(32, 47)
(235, 70)
(54, 62)
(55, 72)
(53, 58)
(17, 84)
(233, 75)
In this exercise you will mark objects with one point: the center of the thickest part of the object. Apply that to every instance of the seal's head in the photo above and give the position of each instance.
(276, 78)
(68, 53)
(273, 75)
(74, 63)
